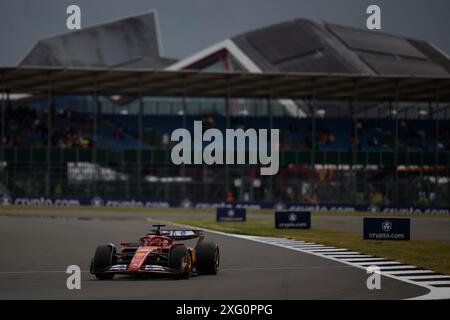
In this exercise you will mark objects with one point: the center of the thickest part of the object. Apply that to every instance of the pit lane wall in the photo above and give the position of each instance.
(7, 200)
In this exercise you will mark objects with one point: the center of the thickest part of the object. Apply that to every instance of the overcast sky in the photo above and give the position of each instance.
(190, 25)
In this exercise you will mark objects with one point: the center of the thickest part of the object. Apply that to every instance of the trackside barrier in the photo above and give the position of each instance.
(186, 203)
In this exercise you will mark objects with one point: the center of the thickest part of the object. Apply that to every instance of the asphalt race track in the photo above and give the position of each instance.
(37, 251)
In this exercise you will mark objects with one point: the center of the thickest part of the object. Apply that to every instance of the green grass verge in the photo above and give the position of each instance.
(428, 254)
(18, 209)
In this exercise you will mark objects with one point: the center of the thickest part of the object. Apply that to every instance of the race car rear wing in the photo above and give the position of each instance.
(182, 234)
(177, 234)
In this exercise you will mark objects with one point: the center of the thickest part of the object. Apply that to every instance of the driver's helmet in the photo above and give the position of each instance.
(156, 241)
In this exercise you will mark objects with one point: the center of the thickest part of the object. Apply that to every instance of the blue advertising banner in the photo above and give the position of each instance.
(386, 228)
(136, 202)
(230, 214)
(292, 219)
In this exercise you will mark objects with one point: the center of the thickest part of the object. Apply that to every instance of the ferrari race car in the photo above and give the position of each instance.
(158, 252)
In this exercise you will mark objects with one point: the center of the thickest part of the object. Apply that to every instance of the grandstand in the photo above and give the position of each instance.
(363, 115)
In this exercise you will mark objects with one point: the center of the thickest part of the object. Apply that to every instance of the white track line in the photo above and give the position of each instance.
(429, 277)
(306, 246)
(400, 267)
(361, 259)
(429, 283)
(341, 253)
(411, 271)
(326, 250)
(379, 264)
(351, 256)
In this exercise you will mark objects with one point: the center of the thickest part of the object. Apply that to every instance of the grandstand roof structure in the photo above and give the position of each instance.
(133, 42)
(308, 46)
(304, 45)
(292, 61)
(280, 85)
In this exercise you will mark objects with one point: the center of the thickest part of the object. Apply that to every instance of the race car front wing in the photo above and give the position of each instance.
(147, 268)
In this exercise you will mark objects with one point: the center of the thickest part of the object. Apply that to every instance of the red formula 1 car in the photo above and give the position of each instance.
(158, 252)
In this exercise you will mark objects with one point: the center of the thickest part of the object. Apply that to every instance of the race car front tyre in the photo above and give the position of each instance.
(180, 259)
(104, 258)
(208, 257)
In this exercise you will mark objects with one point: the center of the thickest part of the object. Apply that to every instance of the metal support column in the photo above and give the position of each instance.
(227, 119)
(312, 176)
(3, 123)
(183, 166)
(354, 150)
(95, 142)
(49, 138)
(397, 145)
(269, 106)
(141, 141)
(436, 164)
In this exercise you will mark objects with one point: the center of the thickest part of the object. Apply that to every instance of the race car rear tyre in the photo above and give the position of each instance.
(208, 257)
(104, 258)
(180, 259)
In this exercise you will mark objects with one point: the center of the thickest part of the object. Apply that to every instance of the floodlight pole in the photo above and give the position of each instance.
(49, 136)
